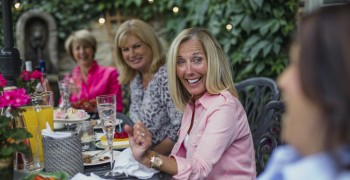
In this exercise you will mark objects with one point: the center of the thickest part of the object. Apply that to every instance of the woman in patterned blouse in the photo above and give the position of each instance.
(141, 62)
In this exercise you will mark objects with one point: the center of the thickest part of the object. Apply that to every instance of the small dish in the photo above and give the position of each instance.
(97, 161)
(72, 120)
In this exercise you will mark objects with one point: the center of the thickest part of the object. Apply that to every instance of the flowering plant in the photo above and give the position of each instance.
(11, 138)
(28, 80)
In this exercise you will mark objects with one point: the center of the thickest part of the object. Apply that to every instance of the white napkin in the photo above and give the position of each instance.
(56, 135)
(81, 176)
(125, 163)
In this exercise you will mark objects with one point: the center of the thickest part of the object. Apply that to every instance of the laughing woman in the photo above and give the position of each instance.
(214, 139)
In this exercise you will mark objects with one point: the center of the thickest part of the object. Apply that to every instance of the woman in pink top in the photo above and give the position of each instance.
(90, 79)
(214, 139)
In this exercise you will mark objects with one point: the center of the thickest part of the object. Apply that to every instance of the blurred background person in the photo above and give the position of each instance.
(89, 79)
(316, 92)
(141, 61)
(215, 141)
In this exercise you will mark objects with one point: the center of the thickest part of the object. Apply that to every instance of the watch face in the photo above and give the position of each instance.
(158, 162)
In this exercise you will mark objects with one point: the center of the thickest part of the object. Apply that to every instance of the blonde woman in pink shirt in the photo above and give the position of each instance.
(214, 141)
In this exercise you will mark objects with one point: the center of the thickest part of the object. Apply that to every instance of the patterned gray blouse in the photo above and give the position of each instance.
(154, 106)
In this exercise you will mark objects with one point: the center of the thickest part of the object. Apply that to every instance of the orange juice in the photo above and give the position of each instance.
(38, 119)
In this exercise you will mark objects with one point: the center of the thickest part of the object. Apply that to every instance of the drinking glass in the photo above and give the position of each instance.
(106, 106)
(31, 157)
(38, 114)
(64, 87)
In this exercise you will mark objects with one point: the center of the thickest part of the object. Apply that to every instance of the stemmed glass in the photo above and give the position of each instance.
(106, 106)
(63, 85)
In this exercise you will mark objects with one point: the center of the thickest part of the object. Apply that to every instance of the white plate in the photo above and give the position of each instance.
(97, 162)
(99, 145)
(98, 126)
(72, 120)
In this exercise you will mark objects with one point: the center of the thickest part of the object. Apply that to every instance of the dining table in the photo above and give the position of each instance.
(99, 169)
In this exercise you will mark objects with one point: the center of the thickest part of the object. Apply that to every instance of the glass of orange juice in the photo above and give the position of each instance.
(39, 113)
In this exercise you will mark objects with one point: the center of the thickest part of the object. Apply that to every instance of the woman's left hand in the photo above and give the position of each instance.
(140, 140)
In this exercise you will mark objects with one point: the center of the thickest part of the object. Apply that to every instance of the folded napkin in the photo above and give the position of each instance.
(56, 135)
(125, 163)
(81, 176)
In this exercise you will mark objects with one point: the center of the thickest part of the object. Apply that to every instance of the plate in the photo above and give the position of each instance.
(99, 145)
(98, 123)
(72, 120)
(54, 175)
(98, 162)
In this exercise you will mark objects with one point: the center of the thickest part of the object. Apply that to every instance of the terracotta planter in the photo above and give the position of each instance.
(6, 168)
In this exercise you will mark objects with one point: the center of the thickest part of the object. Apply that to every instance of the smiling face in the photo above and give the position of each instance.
(83, 54)
(192, 66)
(137, 54)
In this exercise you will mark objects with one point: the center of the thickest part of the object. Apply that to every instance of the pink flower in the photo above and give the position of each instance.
(14, 98)
(25, 75)
(36, 75)
(3, 81)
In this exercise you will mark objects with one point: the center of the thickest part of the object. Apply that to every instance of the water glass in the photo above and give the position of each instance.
(87, 136)
(31, 158)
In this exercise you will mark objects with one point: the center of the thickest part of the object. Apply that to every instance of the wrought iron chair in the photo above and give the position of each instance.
(255, 94)
(267, 135)
(126, 119)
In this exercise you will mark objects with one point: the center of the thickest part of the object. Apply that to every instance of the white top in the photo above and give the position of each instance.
(286, 164)
(186, 142)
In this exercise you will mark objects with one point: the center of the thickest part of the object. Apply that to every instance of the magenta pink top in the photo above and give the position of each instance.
(220, 143)
(100, 81)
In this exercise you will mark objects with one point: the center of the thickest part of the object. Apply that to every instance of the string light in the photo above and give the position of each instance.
(229, 27)
(150, 1)
(176, 9)
(101, 20)
(17, 5)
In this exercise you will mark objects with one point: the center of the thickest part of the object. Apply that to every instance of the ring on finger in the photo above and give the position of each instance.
(143, 134)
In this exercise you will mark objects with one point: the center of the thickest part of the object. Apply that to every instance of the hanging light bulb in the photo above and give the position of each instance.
(17, 5)
(176, 9)
(229, 27)
(101, 20)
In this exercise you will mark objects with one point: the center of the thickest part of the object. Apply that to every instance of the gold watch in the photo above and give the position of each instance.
(156, 161)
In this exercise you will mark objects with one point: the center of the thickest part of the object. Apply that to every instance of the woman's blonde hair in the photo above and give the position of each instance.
(83, 37)
(219, 74)
(147, 35)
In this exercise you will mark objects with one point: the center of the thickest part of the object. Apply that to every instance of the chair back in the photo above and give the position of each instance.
(267, 136)
(259, 97)
(125, 118)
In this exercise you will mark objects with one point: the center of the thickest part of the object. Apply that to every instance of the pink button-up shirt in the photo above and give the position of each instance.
(220, 143)
(100, 81)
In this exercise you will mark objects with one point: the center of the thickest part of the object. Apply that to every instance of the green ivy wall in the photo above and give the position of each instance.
(257, 44)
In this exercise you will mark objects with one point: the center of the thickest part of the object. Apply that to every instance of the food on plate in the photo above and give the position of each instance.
(76, 113)
(88, 159)
(121, 140)
(72, 113)
(59, 114)
(47, 176)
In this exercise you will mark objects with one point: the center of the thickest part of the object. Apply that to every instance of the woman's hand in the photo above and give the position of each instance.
(140, 140)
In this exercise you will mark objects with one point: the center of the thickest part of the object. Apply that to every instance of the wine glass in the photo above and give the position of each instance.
(63, 85)
(106, 106)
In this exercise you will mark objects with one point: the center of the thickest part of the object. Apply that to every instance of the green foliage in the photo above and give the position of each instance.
(11, 138)
(256, 45)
